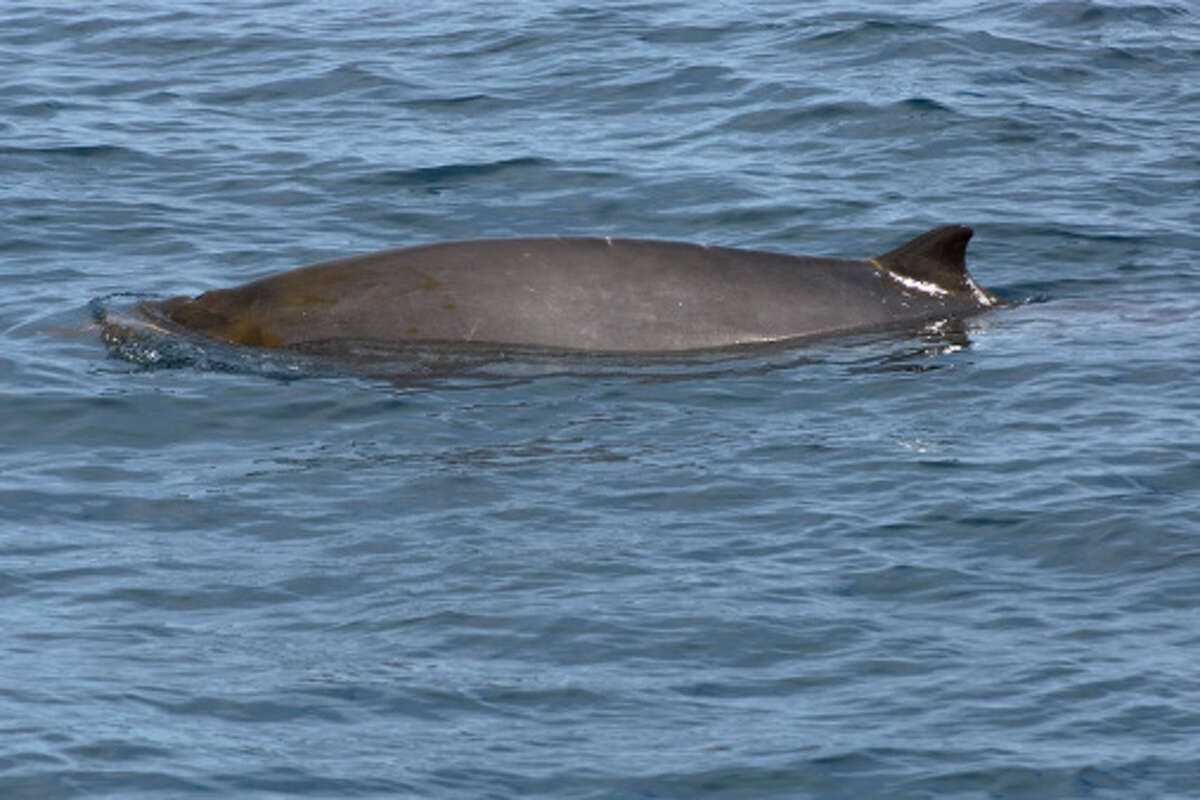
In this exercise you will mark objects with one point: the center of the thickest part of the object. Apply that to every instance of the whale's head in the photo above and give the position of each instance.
(234, 315)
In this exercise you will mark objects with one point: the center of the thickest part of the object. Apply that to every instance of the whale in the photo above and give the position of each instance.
(589, 294)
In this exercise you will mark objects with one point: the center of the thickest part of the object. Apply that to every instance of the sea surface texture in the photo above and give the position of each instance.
(958, 562)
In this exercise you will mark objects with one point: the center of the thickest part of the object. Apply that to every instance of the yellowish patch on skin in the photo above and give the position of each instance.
(311, 300)
(249, 332)
(147, 324)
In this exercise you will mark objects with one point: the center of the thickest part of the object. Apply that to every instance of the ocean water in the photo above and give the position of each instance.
(954, 563)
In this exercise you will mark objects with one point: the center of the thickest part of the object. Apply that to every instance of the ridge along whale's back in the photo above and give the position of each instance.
(589, 294)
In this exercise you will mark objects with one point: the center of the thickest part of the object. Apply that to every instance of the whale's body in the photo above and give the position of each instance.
(588, 294)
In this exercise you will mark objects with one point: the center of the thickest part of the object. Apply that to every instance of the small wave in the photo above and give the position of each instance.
(342, 80)
(90, 151)
(1087, 14)
(446, 174)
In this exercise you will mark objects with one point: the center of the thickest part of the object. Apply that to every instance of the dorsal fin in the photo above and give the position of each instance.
(937, 257)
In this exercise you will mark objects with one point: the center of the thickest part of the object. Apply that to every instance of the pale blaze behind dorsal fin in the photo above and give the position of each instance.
(937, 257)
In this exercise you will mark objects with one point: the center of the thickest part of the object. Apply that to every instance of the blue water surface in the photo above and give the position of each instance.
(959, 562)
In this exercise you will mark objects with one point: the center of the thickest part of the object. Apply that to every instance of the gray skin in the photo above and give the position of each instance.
(588, 294)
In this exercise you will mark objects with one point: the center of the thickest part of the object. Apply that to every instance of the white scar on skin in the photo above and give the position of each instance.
(982, 297)
(912, 283)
